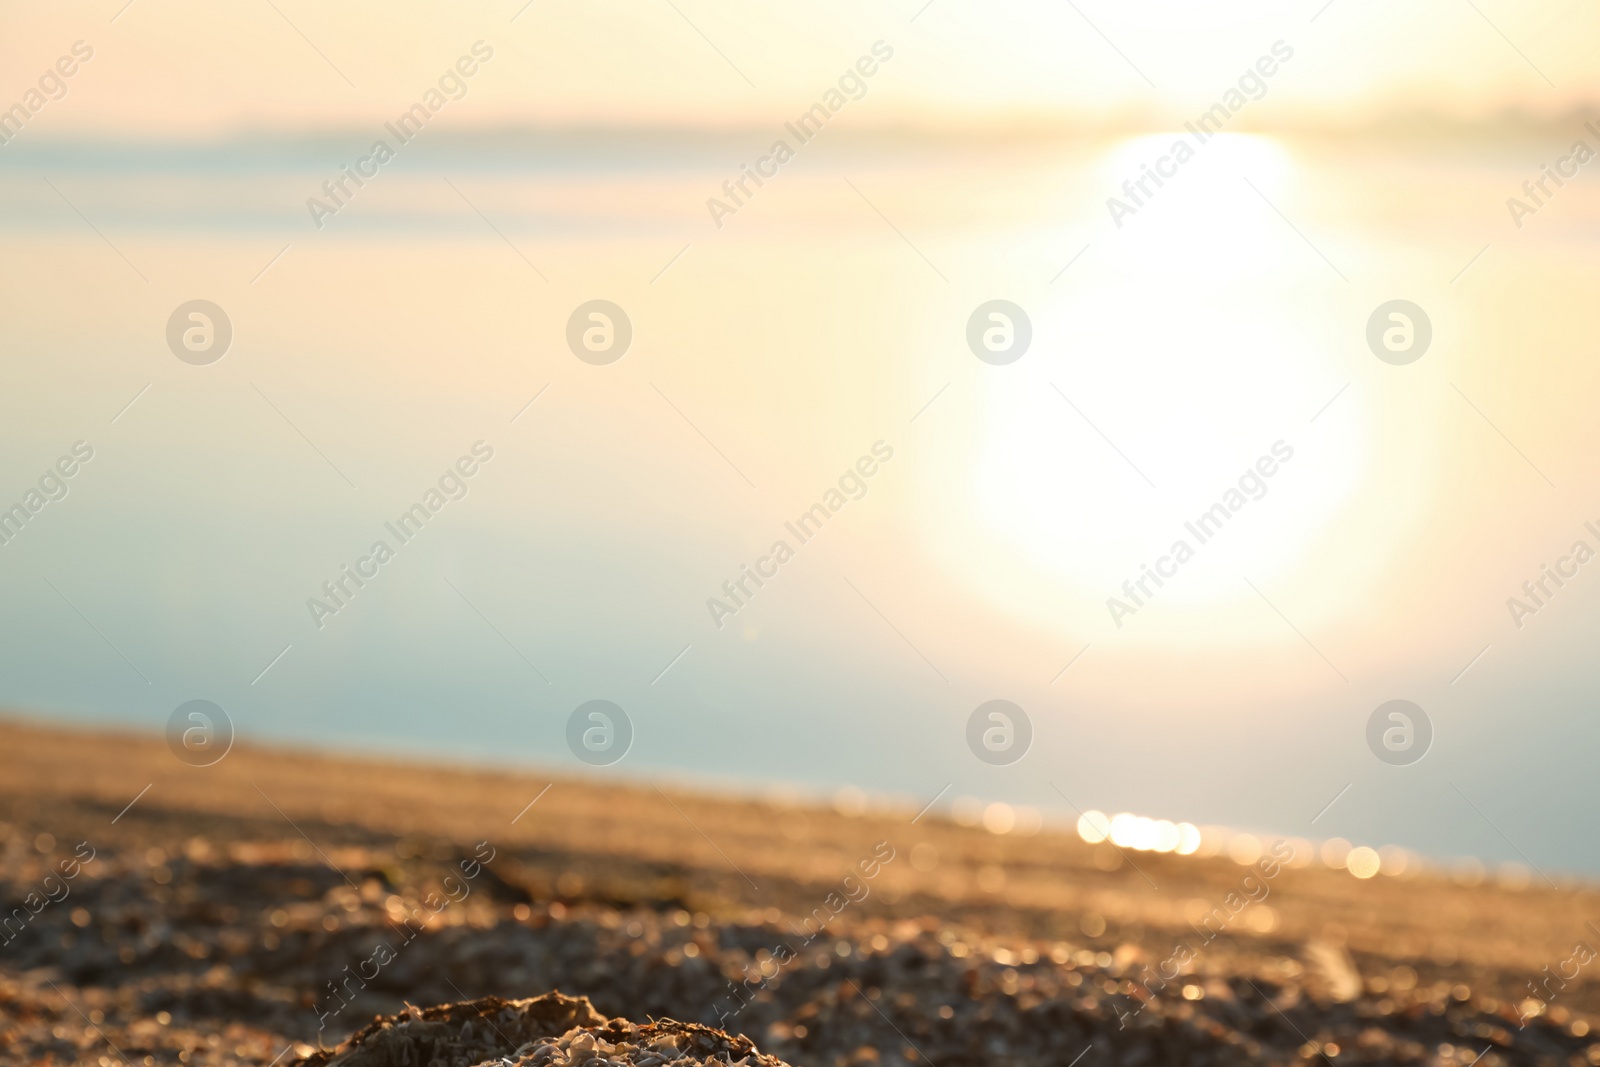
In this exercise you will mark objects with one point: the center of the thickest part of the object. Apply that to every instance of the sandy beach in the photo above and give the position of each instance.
(254, 911)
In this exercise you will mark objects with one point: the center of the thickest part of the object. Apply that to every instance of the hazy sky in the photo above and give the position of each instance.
(1171, 352)
(186, 66)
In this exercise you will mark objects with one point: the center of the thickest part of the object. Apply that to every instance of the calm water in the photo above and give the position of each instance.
(773, 359)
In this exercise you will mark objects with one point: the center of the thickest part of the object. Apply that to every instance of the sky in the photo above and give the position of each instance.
(1214, 338)
(183, 68)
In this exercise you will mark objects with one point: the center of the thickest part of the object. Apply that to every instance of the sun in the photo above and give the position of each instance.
(1164, 423)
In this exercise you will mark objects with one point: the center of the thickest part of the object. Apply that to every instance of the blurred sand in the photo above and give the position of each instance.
(231, 899)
